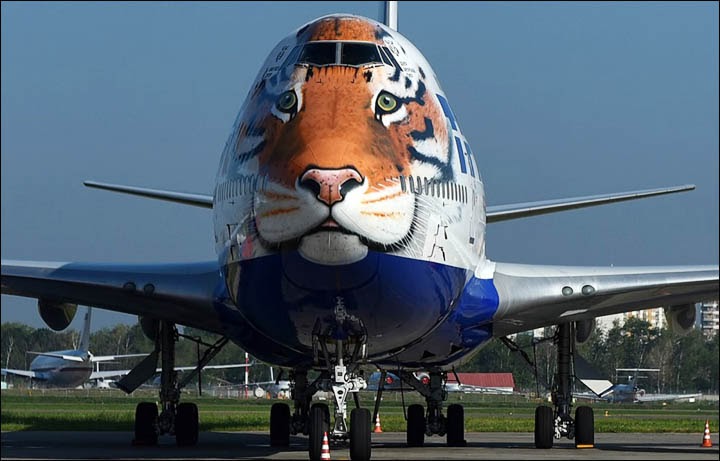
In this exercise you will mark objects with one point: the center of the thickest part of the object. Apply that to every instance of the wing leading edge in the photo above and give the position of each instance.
(535, 296)
(180, 293)
(524, 210)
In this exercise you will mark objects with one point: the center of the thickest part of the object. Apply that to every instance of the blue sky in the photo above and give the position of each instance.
(557, 99)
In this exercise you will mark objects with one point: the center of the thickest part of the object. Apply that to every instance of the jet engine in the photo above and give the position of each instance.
(56, 315)
(680, 318)
(583, 330)
(150, 326)
(423, 377)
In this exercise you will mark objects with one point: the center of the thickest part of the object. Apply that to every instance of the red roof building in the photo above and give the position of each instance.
(500, 381)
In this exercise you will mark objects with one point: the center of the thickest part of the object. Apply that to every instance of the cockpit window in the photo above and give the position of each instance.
(357, 54)
(319, 53)
(388, 57)
(340, 53)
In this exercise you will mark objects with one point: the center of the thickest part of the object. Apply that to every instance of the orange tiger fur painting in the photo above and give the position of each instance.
(343, 147)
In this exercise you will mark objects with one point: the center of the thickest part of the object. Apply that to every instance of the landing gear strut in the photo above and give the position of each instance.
(342, 382)
(174, 418)
(557, 422)
(345, 336)
(433, 422)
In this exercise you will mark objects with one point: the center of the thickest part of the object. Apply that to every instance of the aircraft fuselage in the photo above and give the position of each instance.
(349, 203)
(58, 372)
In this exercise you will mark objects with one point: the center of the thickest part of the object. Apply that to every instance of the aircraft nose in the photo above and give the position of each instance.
(330, 185)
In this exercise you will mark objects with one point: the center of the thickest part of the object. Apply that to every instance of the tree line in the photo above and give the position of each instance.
(686, 362)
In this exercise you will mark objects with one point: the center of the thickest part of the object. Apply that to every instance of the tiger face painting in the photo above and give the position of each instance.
(335, 133)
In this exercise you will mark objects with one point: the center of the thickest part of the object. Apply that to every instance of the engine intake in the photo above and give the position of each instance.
(583, 330)
(680, 318)
(150, 327)
(56, 314)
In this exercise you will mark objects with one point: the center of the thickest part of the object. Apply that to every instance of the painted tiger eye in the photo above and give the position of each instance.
(387, 102)
(287, 101)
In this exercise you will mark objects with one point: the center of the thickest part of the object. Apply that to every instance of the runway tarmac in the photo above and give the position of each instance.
(386, 446)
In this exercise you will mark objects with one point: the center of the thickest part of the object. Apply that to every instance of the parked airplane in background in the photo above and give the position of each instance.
(627, 393)
(349, 217)
(70, 368)
(274, 387)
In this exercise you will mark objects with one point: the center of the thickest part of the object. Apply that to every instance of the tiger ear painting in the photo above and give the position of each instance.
(345, 145)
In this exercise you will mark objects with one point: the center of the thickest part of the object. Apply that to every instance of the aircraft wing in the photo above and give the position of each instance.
(535, 296)
(663, 397)
(70, 358)
(25, 373)
(199, 200)
(214, 367)
(117, 373)
(107, 374)
(181, 293)
(107, 358)
(523, 210)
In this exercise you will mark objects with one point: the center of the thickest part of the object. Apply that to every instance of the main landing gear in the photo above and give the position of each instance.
(174, 418)
(347, 340)
(432, 422)
(557, 422)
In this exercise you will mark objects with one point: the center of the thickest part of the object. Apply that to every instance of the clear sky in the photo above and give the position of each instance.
(557, 100)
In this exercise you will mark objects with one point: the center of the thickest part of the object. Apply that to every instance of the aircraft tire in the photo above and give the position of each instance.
(360, 436)
(186, 424)
(544, 427)
(146, 414)
(416, 425)
(584, 426)
(456, 426)
(280, 425)
(319, 424)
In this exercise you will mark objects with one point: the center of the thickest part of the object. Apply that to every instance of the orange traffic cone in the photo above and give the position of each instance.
(378, 428)
(325, 448)
(706, 437)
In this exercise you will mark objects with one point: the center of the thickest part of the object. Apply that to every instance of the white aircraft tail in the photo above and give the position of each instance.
(85, 336)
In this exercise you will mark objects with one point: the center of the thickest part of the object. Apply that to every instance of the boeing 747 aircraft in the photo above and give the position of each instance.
(349, 222)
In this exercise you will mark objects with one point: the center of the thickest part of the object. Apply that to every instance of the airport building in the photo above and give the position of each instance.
(709, 318)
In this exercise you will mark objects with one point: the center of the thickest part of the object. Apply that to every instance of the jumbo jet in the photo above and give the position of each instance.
(70, 368)
(349, 224)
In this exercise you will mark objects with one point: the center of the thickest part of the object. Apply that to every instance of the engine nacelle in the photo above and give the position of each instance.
(150, 326)
(423, 377)
(583, 330)
(680, 318)
(57, 315)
